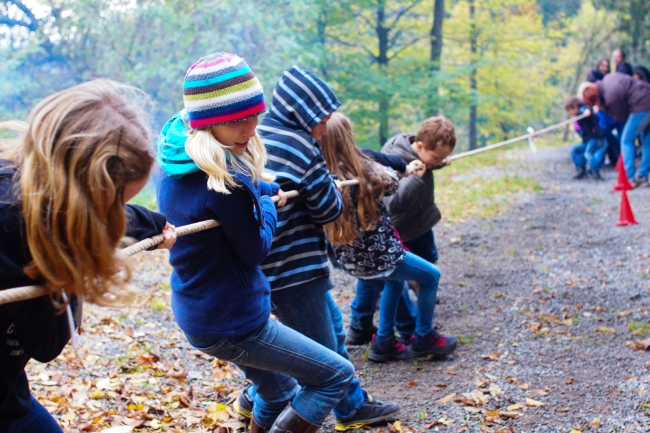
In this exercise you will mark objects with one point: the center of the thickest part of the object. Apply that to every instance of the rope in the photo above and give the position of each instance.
(31, 292)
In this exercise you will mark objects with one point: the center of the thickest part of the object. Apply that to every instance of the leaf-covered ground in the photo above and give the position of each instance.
(549, 299)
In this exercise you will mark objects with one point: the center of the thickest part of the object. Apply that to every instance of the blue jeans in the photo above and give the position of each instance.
(365, 302)
(591, 152)
(274, 357)
(427, 276)
(37, 420)
(638, 124)
(310, 310)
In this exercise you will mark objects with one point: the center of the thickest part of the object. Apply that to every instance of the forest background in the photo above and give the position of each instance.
(493, 67)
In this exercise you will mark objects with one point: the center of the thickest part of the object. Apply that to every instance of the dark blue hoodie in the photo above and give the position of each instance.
(218, 289)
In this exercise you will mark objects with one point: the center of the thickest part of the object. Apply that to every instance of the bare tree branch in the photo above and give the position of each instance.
(404, 47)
(31, 25)
(402, 12)
(348, 44)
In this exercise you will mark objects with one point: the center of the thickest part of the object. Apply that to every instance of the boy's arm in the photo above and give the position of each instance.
(319, 191)
(407, 196)
(392, 161)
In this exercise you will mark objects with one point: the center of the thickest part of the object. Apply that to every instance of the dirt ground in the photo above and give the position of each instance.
(550, 301)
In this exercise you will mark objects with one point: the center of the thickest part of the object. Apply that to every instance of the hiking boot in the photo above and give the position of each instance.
(244, 404)
(289, 421)
(405, 340)
(391, 351)
(358, 337)
(434, 343)
(372, 412)
(595, 174)
(582, 173)
(639, 182)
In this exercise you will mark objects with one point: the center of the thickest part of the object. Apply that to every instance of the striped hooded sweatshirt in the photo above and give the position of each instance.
(298, 252)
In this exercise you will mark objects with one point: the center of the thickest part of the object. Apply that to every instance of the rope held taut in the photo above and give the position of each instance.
(31, 292)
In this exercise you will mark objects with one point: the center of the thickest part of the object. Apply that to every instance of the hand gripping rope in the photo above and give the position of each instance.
(30, 292)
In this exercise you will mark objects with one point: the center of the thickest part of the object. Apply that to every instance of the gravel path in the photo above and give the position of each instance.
(543, 298)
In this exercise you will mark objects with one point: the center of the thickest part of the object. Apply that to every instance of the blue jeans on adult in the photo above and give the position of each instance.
(638, 124)
(364, 305)
(275, 358)
(591, 152)
(37, 420)
(427, 276)
(310, 310)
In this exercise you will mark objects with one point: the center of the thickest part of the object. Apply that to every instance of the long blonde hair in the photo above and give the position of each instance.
(73, 158)
(212, 158)
(346, 160)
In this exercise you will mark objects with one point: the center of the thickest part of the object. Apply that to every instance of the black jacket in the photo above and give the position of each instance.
(32, 329)
(625, 68)
(589, 127)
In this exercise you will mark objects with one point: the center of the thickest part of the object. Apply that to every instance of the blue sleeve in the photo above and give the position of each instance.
(319, 191)
(141, 223)
(268, 188)
(392, 161)
(250, 242)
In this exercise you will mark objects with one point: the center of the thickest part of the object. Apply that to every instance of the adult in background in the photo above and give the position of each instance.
(618, 57)
(641, 73)
(627, 100)
(602, 68)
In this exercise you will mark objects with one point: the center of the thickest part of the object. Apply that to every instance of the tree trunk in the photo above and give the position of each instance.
(382, 62)
(472, 81)
(435, 54)
(321, 28)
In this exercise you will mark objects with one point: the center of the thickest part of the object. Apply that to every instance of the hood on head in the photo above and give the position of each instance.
(301, 99)
(172, 156)
(400, 145)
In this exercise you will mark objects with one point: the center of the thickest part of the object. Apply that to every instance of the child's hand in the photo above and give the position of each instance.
(596, 109)
(446, 162)
(283, 198)
(338, 185)
(587, 112)
(416, 166)
(169, 233)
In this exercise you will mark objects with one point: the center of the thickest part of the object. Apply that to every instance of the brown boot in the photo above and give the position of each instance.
(290, 422)
(255, 427)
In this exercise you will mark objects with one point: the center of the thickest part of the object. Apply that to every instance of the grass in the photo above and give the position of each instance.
(146, 198)
(639, 328)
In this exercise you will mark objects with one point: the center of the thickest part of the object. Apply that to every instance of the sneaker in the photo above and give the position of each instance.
(582, 173)
(640, 181)
(434, 343)
(244, 404)
(372, 412)
(392, 351)
(358, 337)
(405, 340)
(595, 174)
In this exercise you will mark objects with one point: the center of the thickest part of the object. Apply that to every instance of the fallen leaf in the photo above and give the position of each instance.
(486, 429)
(533, 403)
(540, 392)
(412, 383)
(569, 381)
(447, 399)
(441, 385)
(397, 425)
(516, 406)
(606, 330)
(118, 429)
(562, 409)
(472, 409)
(491, 357)
(641, 345)
(509, 414)
(595, 423)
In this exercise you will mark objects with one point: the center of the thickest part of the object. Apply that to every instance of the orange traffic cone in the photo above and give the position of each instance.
(622, 184)
(626, 217)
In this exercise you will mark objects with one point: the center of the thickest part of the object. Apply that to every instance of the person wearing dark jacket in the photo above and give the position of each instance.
(641, 73)
(618, 57)
(592, 149)
(213, 168)
(627, 100)
(296, 265)
(93, 126)
(602, 69)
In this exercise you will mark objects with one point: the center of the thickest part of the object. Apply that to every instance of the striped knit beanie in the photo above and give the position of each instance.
(221, 88)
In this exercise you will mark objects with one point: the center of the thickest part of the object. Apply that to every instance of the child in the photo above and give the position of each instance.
(84, 153)
(220, 296)
(413, 213)
(367, 246)
(593, 146)
(296, 266)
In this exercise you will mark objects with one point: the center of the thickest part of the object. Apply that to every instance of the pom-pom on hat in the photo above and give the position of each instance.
(221, 88)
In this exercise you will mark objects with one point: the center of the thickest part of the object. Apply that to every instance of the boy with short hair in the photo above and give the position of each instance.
(413, 213)
(593, 146)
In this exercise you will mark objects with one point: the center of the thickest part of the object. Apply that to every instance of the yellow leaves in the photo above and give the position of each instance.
(533, 403)
(516, 406)
(397, 426)
(138, 406)
(158, 304)
(447, 399)
(606, 330)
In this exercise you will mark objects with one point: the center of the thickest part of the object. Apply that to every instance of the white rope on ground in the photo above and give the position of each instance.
(31, 292)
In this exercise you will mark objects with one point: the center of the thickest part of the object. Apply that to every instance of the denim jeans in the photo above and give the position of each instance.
(427, 276)
(638, 124)
(37, 420)
(591, 152)
(363, 307)
(311, 311)
(275, 358)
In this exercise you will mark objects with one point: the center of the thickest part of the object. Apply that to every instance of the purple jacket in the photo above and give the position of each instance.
(621, 95)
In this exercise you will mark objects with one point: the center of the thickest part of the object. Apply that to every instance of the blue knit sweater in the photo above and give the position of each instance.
(298, 254)
(218, 289)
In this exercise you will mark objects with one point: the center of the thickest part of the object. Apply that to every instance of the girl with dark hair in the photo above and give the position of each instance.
(641, 73)
(602, 69)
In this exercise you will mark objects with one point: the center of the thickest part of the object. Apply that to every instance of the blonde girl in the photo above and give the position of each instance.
(83, 153)
(212, 161)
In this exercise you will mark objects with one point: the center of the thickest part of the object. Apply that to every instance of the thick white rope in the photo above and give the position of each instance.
(31, 292)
